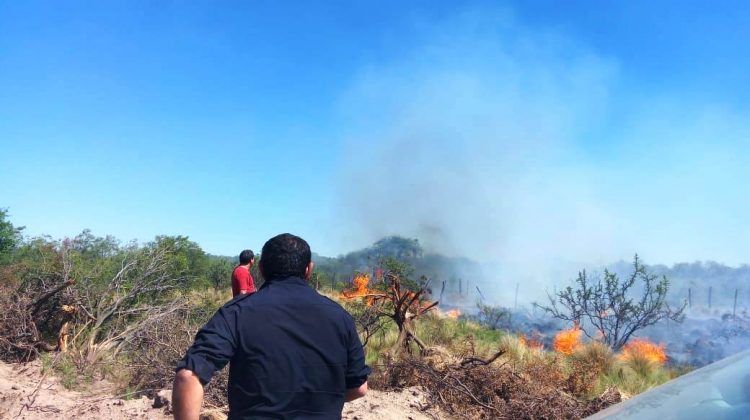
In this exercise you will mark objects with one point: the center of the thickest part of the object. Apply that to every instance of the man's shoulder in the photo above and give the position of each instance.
(237, 301)
(240, 270)
(335, 306)
(328, 301)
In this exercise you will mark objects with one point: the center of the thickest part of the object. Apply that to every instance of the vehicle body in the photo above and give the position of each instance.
(719, 391)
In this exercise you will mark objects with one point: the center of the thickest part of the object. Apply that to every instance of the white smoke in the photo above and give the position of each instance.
(506, 146)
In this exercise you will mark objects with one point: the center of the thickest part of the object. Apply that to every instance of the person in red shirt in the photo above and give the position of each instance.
(242, 280)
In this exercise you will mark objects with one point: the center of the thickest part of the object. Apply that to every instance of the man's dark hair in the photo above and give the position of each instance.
(284, 256)
(246, 256)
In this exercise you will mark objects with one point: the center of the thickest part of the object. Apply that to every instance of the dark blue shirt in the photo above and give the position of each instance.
(293, 353)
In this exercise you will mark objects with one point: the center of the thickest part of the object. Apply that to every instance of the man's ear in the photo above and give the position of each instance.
(309, 270)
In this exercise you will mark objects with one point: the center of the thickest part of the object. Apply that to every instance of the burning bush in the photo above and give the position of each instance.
(567, 341)
(518, 350)
(453, 314)
(395, 299)
(534, 343)
(613, 308)
(640, 348)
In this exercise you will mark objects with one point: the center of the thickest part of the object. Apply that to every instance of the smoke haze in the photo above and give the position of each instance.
(529, 151)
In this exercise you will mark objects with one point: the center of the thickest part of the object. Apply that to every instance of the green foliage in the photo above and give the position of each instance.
(403, 270)
(131, 287)
(636, 375)
(186, 259)
(10, 237)
(68, 370)
(219, 272)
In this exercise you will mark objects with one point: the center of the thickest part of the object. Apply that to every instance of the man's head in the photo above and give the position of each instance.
(246, 257)
(284, 256)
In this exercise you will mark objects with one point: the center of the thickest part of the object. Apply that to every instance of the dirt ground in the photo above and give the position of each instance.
(28, 394)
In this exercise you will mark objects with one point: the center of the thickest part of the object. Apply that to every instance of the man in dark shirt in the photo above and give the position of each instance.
(242, 280)
(292, 352)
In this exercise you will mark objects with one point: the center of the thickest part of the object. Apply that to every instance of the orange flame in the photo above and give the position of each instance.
(453, 313)
(360, 289)
(568, 340)
(642, 348)
(532, 343)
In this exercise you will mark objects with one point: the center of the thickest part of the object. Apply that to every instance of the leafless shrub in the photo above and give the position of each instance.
(19, 337)
(216, 392)
(369, 320)
(476, 388)
(129, 295)
(153, 350)
(31, 318)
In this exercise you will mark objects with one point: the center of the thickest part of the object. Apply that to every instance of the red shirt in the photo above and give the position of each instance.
(242, 281)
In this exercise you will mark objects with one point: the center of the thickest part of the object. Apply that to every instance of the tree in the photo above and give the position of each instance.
(185, 258)
(220, 272)
(397, 297)
(492, 317)
(10, 237)
(613, 309)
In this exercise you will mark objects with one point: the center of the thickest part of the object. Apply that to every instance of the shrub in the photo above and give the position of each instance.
(492, 317)
(613, 307)
(588, 363)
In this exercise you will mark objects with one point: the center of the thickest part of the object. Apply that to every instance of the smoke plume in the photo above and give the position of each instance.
(527, 151)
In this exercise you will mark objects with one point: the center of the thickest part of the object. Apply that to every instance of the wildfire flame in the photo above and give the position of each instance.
(568, 340)
(531, 343)
(360, 288)
(453, 313)
(642, 348)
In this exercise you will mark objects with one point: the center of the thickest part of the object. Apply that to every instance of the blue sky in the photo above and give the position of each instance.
(506, 131)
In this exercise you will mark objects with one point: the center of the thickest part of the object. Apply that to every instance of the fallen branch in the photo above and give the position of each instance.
(476, 361)
(38, 303)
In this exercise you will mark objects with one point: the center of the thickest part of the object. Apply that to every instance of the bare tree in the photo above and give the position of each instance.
(370, 321)
(395, 300)
(613, 309)
(143, 277)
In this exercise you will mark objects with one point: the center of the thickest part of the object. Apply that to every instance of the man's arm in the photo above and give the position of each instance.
(354, 393)
(214, 346)
(187, 395)
(357, 370)
(246, 282)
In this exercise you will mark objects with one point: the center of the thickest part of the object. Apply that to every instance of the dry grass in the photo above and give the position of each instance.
(494, 391)
(588, 364)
